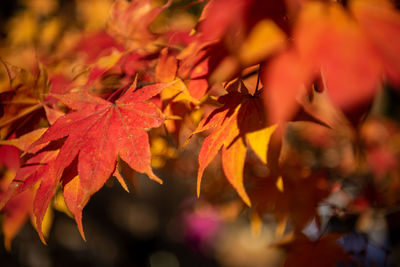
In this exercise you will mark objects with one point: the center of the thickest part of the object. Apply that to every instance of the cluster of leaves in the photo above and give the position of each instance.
(284, 88)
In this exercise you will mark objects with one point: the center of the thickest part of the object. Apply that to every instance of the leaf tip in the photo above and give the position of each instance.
(78, 216)
(7, 244)
(80, 228)
(247, 201)
(154, 177)
(199, 176)
(41, 236)
(121, 179)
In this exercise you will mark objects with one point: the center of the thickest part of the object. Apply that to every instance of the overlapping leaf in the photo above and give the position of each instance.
(348, 54)
(237, 124)
(347, 48)
(96, 134)
(129, 21)
(25, 95)
(380, 21)
(247, 32)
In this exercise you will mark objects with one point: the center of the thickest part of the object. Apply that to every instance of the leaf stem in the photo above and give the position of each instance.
(110, 97)
(258, 81)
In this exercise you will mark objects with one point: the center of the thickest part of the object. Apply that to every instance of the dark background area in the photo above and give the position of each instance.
(122, 229)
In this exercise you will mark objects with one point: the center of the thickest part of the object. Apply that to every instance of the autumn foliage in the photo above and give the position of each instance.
(289, 93)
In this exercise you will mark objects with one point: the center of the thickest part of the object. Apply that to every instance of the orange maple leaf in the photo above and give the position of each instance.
(238, 123)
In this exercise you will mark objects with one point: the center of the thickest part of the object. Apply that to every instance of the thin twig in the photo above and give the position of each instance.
(258, 81)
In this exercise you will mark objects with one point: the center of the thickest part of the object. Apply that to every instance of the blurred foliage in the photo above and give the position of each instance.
(300, 96)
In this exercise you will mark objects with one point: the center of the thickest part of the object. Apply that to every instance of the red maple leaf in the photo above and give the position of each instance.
(96, 134)
(129, 21)
(350, 52)
(18, 207)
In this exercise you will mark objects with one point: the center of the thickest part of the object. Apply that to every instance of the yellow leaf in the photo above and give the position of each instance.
(196, 116)
(47, 222)
(25, 141)
(178, 92)
(264, 39)
(59, 204)
(259, 141)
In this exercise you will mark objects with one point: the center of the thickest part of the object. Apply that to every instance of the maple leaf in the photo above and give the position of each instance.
(15, 205)
(94, 45)
(103, 65)
(36, 169)
(96, 134)
(235, 39)
(129, 21)
(237, 123)
(9, 156)
(292, 191)
(196, 69)
(135, 62)
(166, 67)
(15, 214)
(198, 85)
(349, 52)
(284, 80)
(177, 100)
(214, 25)
(380, 21)
(24, 142)
(25, 96)
(28, 94)
(166, 72)
(73, 196)
(21, 198)
(29, 173)
(350, 68)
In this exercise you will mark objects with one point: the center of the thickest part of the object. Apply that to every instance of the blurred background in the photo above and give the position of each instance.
(166, 225)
